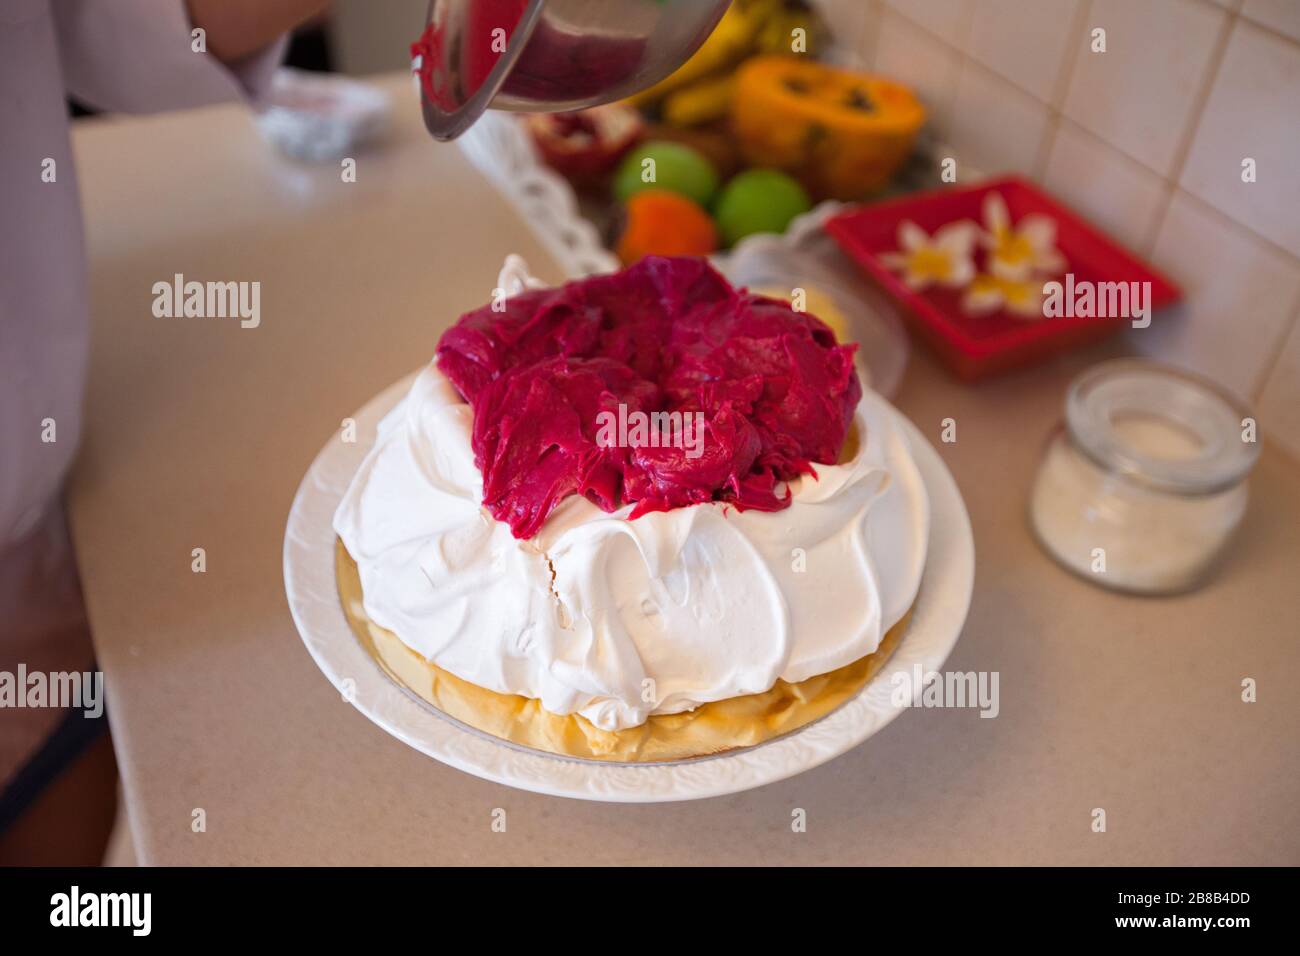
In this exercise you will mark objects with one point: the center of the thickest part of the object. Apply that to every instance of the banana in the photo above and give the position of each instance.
(702, 102)
(777, 33)
(731, 41)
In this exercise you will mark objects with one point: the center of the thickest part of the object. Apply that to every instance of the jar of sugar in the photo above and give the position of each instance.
(1144, 482)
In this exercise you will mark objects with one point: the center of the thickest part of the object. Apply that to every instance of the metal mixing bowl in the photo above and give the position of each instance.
(551, 55)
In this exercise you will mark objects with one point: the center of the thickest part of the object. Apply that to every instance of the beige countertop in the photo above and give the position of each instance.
(199, 431)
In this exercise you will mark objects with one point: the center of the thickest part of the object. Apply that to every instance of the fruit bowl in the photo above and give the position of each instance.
(752, 131)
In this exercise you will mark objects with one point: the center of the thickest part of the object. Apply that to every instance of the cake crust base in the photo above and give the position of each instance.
(711, 728)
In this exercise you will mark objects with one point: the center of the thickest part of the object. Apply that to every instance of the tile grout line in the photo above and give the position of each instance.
(1236, 224)
(871, 33)
(1060, 90)
(964, 27)
(1046, 144)
(1267, 30)
(896, 12)
(1189, 134)
(1208, 82)
(956, 55)
(1148, 244)
(1275, 354)
(1065, 78)
(1234, 8)
(958, 47)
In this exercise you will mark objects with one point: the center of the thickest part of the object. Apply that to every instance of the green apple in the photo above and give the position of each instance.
(758, 200)
(675, 167)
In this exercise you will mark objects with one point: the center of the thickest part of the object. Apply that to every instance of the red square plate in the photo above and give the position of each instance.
(975, 346)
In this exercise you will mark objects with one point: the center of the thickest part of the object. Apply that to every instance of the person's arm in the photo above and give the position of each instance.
(138, 56)
(238, 28)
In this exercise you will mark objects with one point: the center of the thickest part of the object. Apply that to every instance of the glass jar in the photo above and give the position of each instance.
(1145, 481)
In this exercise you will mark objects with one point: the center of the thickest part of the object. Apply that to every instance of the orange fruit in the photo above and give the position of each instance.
(661, 223)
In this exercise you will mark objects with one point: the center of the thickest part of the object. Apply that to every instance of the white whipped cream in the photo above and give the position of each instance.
(616, 619)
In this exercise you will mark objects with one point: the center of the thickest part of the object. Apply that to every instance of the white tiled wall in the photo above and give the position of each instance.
(1118, 193)
(1146, 139)
(1034, 55)
(1239, 295)
(1253, 111)
(1143, 93)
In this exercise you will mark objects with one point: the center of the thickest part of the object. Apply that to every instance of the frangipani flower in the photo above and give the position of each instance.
(1021, 297)
(1019, 251)
(945, 258)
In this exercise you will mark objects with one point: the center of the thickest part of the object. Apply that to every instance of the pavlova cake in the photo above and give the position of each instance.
(643, 516)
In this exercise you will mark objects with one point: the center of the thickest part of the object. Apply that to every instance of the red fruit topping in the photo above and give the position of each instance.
(775, 391)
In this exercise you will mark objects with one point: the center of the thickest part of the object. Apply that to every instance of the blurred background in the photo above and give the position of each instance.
(1146, 140)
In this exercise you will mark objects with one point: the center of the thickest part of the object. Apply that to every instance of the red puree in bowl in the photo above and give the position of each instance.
(665, 335)
(555, 64)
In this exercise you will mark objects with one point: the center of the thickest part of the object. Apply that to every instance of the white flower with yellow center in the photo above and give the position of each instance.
(946, 258)
(1016, 252)
(1021, 297)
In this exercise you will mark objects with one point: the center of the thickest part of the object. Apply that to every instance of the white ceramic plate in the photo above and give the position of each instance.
(937, 618)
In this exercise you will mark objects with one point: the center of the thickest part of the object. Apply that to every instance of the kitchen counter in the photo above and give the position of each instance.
(199, 431)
